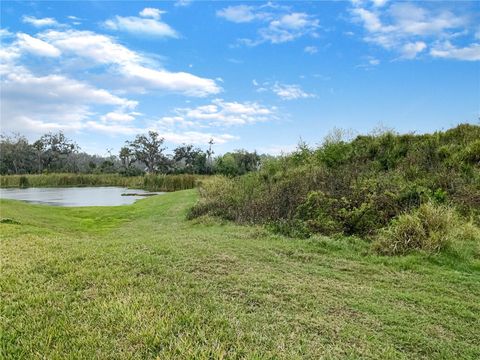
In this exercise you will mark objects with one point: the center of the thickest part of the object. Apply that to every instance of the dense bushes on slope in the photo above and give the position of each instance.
(353, 187)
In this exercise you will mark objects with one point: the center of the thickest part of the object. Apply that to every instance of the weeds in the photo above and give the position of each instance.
(431, 228)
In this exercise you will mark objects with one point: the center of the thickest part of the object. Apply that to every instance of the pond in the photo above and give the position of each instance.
(77, 196)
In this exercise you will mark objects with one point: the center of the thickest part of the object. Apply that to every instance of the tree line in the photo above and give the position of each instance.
(146, 153)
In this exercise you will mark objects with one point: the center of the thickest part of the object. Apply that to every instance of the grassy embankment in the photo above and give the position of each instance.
(148, 182)
(141, 282)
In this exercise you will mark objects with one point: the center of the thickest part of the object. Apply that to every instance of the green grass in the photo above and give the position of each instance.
(141, 282)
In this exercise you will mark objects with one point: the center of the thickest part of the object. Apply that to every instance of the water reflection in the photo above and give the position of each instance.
(76, 196)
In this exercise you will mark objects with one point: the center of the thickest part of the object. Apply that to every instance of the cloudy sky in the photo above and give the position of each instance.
(253, 75)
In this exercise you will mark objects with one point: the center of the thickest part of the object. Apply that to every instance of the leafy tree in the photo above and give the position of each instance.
(56, 149)
(190, 159)
(38, 147)
(226, 165)
(237, 163)
(107, 167)
(16, 154)
(148, 150)
(127, 157)
(200, 163)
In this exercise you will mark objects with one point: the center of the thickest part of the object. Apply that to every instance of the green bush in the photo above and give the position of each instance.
(216, 198)
(352, 187)
(471, 153)
(23, 182)
(431, 228)
(290, 228)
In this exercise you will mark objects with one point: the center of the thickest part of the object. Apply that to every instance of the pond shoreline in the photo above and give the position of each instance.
(77, 196)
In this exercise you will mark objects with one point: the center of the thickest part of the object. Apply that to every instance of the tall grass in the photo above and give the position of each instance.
(431, 228)
(169, 182)
(148, 182)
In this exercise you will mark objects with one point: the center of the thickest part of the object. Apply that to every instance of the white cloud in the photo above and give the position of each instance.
(152, 13)
(8, 56)
(408, 28)
(74, 19)
(412, 49)
(46, 88)
(189, 125)
(4, 33)
(288, 28)
(39, 22)
(379, 3)
(36, 46)
(113, 129)
(37, 103)
(196, 138)
(412, 19)
(186, 137)
(310, 49)
(370, 63)
(119, 116)
(100, 49)
(290, 92)
(404, 19)
(179, 82)
(33, 104)
(370, 20)
(129, 65)
(239, 13)
(183, 3)
(280, 25)
(219, 113)
(448, 51)
(141, 25)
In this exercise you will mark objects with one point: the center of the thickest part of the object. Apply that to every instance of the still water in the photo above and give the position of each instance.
(76, 196)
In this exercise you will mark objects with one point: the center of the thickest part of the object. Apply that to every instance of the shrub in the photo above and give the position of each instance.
(431, 228)
(23, 182)
(290, 228)
(316, 213)
(471, 154)
(216, 199)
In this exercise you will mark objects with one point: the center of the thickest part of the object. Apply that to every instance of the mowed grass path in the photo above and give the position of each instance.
(141, 282)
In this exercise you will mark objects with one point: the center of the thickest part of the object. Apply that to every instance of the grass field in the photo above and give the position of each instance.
(141, 282)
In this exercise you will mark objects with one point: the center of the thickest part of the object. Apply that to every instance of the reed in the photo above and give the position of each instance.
(149, 182)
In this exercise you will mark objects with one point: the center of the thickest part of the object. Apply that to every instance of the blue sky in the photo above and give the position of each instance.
(253, 75)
